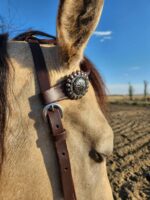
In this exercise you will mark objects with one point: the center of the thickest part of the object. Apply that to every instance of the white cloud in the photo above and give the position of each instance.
(102, 40)
(123, 88)
(108, 37)
(103, 33)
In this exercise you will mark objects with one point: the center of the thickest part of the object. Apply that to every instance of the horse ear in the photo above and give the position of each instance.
(77, 19)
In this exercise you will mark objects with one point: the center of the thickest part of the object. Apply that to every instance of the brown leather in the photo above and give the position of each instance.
(59, 135)
(54, 118)
(30, 35)
(40, 66)
(55, 94)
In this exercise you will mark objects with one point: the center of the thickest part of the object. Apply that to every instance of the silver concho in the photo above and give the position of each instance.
(77, 85)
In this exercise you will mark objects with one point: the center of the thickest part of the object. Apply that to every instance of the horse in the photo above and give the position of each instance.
(28, 160)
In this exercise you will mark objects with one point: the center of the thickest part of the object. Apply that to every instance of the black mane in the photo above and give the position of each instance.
(4, 70)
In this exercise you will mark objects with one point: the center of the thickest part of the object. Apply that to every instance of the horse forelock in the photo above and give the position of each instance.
(4, 69)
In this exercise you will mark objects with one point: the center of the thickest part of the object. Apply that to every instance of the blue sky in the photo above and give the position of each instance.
(120, 46)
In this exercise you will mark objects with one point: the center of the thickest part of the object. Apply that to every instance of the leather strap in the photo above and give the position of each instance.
(55, 93)
(33, 35)
(40, 66)
(59, 135)
(55, 123)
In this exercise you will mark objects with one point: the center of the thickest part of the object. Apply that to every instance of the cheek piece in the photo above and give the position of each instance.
(74, 87)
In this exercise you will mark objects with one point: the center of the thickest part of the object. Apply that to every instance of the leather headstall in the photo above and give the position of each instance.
(72, 87)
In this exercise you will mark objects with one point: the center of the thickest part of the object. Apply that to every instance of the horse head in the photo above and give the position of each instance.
(30, 169)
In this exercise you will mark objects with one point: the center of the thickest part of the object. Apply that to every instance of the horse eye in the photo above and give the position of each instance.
(97, 157)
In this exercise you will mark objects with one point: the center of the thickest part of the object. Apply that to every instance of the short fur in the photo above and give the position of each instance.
(86, 65)
(30, 169)
(76, 21)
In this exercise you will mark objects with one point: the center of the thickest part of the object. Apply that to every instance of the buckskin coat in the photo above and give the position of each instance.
(30, 169)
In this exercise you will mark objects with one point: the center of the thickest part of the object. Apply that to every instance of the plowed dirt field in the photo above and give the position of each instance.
(129, 167)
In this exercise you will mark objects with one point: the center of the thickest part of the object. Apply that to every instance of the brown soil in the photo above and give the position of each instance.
(129, 167)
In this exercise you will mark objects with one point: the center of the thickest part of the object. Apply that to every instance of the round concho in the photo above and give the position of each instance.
(77, 85)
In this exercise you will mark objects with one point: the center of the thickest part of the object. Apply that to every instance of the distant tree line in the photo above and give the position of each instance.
(145, 92)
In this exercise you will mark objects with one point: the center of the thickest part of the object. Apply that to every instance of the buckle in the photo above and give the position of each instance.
(52, 107)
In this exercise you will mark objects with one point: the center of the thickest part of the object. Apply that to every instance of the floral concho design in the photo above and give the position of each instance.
(77, 84)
